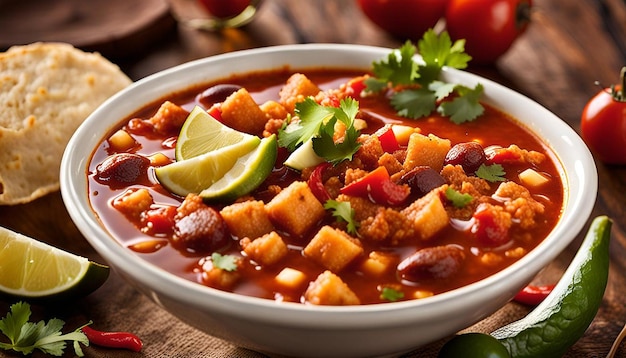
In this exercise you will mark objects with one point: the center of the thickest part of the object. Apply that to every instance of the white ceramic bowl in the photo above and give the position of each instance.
(304, 330)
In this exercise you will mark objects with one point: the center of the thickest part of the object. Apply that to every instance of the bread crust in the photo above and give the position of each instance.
(46, 91)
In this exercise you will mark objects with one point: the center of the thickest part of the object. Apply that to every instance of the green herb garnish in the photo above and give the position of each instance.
(391, 294)
(419, 91)
(27, 336)
(224, 262)
(344, 213)
(458, 199)
(492, 173)
(317, 122)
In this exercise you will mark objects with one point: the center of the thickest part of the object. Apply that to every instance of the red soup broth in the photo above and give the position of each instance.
(493, 128)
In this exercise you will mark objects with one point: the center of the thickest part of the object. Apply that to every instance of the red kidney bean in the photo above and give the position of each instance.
(120, 170)
(216, 94)
(469, 155)
(422, 180)
(437, 262)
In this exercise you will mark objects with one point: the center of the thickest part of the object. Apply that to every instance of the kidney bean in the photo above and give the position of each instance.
(437, 262)
(200, 229)
(422, 180)
(469, 155)
(120, 170)
(216, 94)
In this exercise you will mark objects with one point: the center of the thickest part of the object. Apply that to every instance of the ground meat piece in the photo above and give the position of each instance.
(133, 203)
(169, 118)
(370, 151)
(363, 208)
(519, 203)
(514, 154)
(387, 225)
(491, 225)
(391, 163)
(199, 228)
(272, 126)
(455, 176)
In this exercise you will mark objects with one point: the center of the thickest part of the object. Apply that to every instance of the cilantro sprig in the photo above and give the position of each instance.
(418, 90)
(492, 173)
(458, 199)
(27, 336)
(344, 213)
(317, 122)
(224, 262)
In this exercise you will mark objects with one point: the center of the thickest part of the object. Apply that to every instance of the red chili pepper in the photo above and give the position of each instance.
(215, 112)
(388, 139)
(533, 295)
(316, 183)
(378, 187)
(122, 340)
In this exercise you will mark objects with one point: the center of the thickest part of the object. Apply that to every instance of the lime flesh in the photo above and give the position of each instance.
(33, 269)
(201, 133)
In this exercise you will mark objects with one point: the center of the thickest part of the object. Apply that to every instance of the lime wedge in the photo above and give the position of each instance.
(201, 133)
(200, 172)
(246, 175)
(35, 270)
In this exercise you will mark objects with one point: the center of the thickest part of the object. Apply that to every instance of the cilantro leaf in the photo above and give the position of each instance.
(466, 107)
(458, 199)
(438, 51)
(391, 294)
(224, 262)
(27, 336)
(414, 103)
(343, 212)
(399, 68)
(311, 116)
(492, 173)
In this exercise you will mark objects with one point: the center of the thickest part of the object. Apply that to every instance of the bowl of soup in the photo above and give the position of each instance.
(369, 233)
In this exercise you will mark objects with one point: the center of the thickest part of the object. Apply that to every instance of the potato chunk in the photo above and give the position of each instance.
(247, 219)
(427, 214)
(295, 209)
(266, 250)
(333, 249)
(297, 88)
(329, 289)
(241, 112)
(426, 151)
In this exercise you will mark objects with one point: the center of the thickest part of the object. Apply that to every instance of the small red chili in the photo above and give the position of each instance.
(533, 295)
(122, 340)
(316, 183)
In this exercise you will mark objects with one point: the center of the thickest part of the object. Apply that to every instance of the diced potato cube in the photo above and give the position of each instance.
(291, 278)
(241, 112)
(329, 289)
(531, 177)
(426, 150)
(332, 248)
(427, 214)
(169, 118)
(159, 159)
(297, 88)
(122, 141)
(295, 209)
(274, 110)
(132, 203)
(422, 294)
(266, 250)
(403, 133)
(247, 219)
(376, 264)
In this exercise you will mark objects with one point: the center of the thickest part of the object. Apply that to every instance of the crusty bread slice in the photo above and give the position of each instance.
(46, 91)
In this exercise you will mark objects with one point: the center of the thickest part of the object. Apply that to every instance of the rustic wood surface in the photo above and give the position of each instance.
(569, 45)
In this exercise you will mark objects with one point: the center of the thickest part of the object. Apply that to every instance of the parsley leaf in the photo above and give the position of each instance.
(391, 294)
(492, 173)
(398, 69)
(414, 103)
(318, 122)
(457, 198)
(343, 212)
(27, 336)
(224, 262)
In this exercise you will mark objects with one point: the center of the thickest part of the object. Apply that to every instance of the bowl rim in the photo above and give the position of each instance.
(75, 165)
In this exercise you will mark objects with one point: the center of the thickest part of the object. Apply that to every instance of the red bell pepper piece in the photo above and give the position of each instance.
(215, 112)
(357, 85)
(316, 183)
(533, 295)
(378, 187)
(388, 139)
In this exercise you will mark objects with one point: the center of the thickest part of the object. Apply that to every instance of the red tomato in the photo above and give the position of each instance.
(488, 26)
(603, 124)
(224, 8)
(406, 19)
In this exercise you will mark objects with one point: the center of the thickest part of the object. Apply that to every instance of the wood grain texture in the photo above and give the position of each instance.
(569, 46)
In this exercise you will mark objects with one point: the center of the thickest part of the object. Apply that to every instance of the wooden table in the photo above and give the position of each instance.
(570, 45)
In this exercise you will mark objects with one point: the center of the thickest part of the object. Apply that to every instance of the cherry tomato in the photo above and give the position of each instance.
(603, 124)
(488, 26)
(224, 8)
(406, 19)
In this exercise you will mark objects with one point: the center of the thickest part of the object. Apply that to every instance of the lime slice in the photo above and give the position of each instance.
(246, 175)
(201, 133)
(200, 172)
(32, 269)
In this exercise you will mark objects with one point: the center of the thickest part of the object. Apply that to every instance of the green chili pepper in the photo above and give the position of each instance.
(564, 316)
